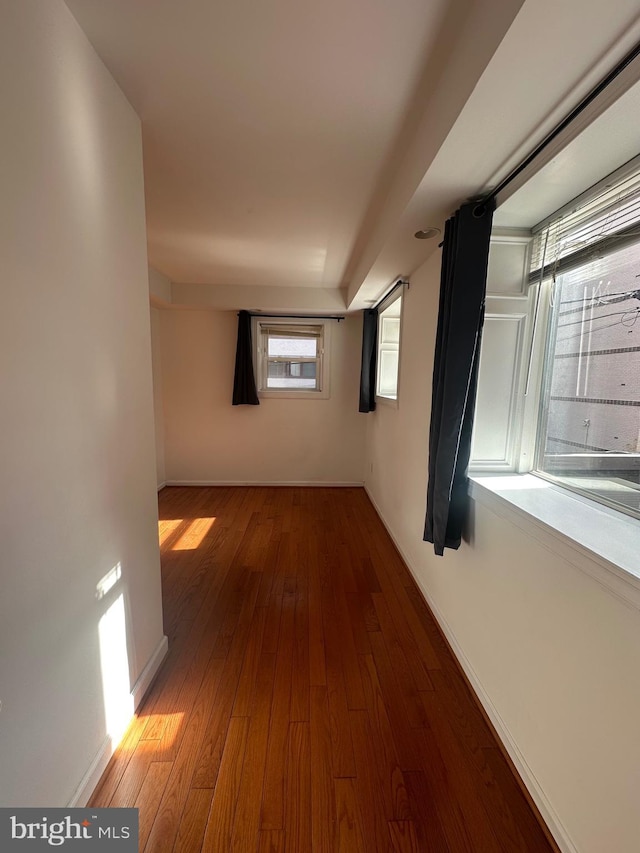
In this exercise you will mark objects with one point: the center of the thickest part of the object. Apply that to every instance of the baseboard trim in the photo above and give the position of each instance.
(162, 485)
(547, 813)
(93, 774)
(146, 677)
(97, 767)
(328, 484)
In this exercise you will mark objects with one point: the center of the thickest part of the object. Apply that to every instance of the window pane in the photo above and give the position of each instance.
(591, 405)
(390, 330)
(389, 350)
(388, 376)
(283, 347)
(292, 374)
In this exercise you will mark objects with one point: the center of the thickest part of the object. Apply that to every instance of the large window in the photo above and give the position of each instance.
(388, 363)
(589, 435)
(559, 385)
(291, 358)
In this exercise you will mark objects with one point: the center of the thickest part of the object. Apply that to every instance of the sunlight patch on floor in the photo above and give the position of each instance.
(167, 527)
(193, 535)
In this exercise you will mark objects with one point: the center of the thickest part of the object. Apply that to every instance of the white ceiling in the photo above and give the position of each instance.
(293, 145)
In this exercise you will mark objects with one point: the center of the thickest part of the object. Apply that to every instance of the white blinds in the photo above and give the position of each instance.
(290, 331)
(598, 221)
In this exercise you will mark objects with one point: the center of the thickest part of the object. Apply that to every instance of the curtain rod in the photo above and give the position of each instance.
(391, 290)
(337, 317)
(566, 121)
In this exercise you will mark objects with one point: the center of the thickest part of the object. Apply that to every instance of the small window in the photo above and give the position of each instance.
(291, 358)
(389, 325)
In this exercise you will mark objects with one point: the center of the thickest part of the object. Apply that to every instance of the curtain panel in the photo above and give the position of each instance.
(455, 372)
(369, 360)
(244, 382)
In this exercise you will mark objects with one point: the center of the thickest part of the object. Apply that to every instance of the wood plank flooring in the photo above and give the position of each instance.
(308, 702)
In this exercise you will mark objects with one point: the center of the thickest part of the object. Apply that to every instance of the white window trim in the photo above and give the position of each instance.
(602, 542)
(392, 402)
(599, 540)
(325, 363)
(515, 306)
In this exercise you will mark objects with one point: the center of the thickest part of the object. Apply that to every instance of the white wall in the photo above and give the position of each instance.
(159, 287)
(282, 440)
(78, 470)
(553, 653)
(158, 404)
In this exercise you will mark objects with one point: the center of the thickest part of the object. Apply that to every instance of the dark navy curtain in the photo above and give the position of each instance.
(369, 359)
(244, 383)
(463, 283)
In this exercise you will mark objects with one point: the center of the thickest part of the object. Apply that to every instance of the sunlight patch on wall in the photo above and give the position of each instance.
(114, 660)
(108, 581)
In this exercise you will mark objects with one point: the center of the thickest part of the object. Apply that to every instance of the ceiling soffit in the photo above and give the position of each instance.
(291, 153)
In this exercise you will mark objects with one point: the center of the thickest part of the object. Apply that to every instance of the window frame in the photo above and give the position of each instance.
(385, 399)
(600, 539)
(544, 388)
(528, 303)
(322, 360)
(510, 305)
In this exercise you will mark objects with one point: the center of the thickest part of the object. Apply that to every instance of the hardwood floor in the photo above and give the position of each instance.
(308, 701)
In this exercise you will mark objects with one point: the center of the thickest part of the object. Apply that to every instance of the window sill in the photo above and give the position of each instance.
(294, 395)
(599, 541)
(387, 401)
